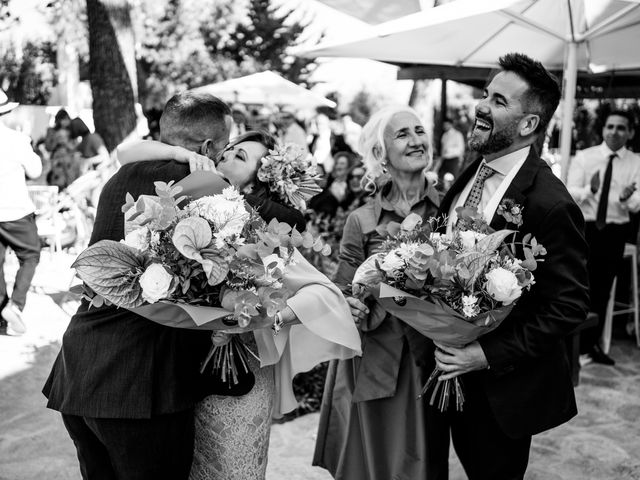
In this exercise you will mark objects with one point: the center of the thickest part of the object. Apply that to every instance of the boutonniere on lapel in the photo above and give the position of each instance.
(511, 211)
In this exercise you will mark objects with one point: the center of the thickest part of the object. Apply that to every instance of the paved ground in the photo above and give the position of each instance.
(601, 443)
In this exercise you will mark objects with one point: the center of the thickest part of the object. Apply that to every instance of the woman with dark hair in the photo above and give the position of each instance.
(91, 146)
(238, 163)
(336, 193)
(232, 433)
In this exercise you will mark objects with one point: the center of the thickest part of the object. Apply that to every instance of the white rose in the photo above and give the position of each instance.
(392, 262)
(469, 239)
(138, 238)
(155, 283)
(502, 285)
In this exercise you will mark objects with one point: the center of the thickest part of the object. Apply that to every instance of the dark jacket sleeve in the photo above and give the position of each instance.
(269, 209)
(556, 304)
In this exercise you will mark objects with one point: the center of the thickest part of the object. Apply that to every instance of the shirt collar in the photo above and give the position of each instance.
(504, 164)
(607, 152)
(380, 201)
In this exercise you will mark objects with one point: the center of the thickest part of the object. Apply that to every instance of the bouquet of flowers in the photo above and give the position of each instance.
(451, 288)
(291, 174)
(212, 264)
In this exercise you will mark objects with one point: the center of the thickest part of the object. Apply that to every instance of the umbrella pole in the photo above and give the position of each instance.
(570, 75)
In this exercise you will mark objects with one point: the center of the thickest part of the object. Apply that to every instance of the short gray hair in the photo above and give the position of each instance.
(372, 146)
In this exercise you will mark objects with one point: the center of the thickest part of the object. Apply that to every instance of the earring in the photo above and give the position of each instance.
(384, 167)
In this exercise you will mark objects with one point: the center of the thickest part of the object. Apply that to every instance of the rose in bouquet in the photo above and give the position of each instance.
(451, 288)
(212, 264)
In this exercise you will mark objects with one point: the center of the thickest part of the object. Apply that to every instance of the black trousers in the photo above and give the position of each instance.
(606, 249)
(22, 236)
(484, 450)
(128, 449)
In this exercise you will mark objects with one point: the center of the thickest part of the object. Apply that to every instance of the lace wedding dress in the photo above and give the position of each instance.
(232, 433)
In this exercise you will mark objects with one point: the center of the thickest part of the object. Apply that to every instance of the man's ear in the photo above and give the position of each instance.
(529, 124)
(208, 149)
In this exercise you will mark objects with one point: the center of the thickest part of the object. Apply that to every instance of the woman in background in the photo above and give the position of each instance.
(372, 427)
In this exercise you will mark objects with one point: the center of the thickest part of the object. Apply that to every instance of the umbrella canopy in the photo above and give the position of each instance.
(590, 35)
(266, 87)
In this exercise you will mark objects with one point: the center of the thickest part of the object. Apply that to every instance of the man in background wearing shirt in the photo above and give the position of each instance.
(603, 181)
(452, 147)
(17, 219)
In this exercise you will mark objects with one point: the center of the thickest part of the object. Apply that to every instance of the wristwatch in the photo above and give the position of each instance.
(278, 323)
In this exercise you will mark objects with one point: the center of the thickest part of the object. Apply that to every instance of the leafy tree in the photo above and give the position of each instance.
(173, 55)
(362, 106)
(265, 38)
(29, 78)
(112, 77)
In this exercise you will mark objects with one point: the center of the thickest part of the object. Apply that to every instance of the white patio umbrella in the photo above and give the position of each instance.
(590, 35)
(266, 87)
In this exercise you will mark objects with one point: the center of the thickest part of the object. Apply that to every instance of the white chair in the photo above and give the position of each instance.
(50, 223)
(617, 308)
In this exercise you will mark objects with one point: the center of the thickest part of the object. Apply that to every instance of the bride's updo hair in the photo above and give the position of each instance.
(374, 152)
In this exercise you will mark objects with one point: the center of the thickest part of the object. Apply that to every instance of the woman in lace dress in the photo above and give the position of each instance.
(232, 433)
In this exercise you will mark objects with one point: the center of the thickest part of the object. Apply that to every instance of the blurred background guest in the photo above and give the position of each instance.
(17, 219)
(239, 125)
(336, 193)
(290, 131)
(452, 150)
(91, 148)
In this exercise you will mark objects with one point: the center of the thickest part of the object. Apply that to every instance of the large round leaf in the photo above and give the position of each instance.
(106, 267)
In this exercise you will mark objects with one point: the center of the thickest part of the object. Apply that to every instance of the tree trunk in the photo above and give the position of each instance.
(111, 71)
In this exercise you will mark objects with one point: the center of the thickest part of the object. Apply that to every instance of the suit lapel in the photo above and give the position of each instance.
(519, 186)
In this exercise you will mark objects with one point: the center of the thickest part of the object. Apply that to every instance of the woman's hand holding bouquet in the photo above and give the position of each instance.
(451, 288)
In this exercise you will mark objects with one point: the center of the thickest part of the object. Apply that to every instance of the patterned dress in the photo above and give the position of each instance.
(232, 433)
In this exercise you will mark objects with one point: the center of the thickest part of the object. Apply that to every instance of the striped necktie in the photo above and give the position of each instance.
(475, 194)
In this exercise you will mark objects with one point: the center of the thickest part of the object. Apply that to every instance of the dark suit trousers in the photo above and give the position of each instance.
(484, 450)
(606, 248)
(133, 449)
(22, 236)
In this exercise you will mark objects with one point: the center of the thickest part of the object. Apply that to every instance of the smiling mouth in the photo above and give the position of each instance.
(483, 125)
(416, 153)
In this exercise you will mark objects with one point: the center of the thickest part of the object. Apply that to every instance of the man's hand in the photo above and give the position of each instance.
(195, 160)
(456, 361)
(595, 182)
(627, 192)
(359, 310)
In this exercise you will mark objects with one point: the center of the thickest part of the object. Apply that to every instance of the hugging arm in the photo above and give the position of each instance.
(146, 150)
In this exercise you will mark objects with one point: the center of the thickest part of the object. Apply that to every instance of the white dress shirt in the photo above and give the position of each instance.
(625, 170)
(17, 158)
(495, 186)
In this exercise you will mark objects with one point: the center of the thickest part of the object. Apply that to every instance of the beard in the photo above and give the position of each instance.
(497, 140)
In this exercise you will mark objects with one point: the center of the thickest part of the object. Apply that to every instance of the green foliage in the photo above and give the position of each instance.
(29, 77)
(362, 106)
(264, 39)
(173, 55)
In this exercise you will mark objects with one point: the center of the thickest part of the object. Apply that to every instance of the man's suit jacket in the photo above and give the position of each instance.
(529, 383)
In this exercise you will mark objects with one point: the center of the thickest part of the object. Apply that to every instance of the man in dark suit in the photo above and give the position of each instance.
(126, 386)
(516, 379)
